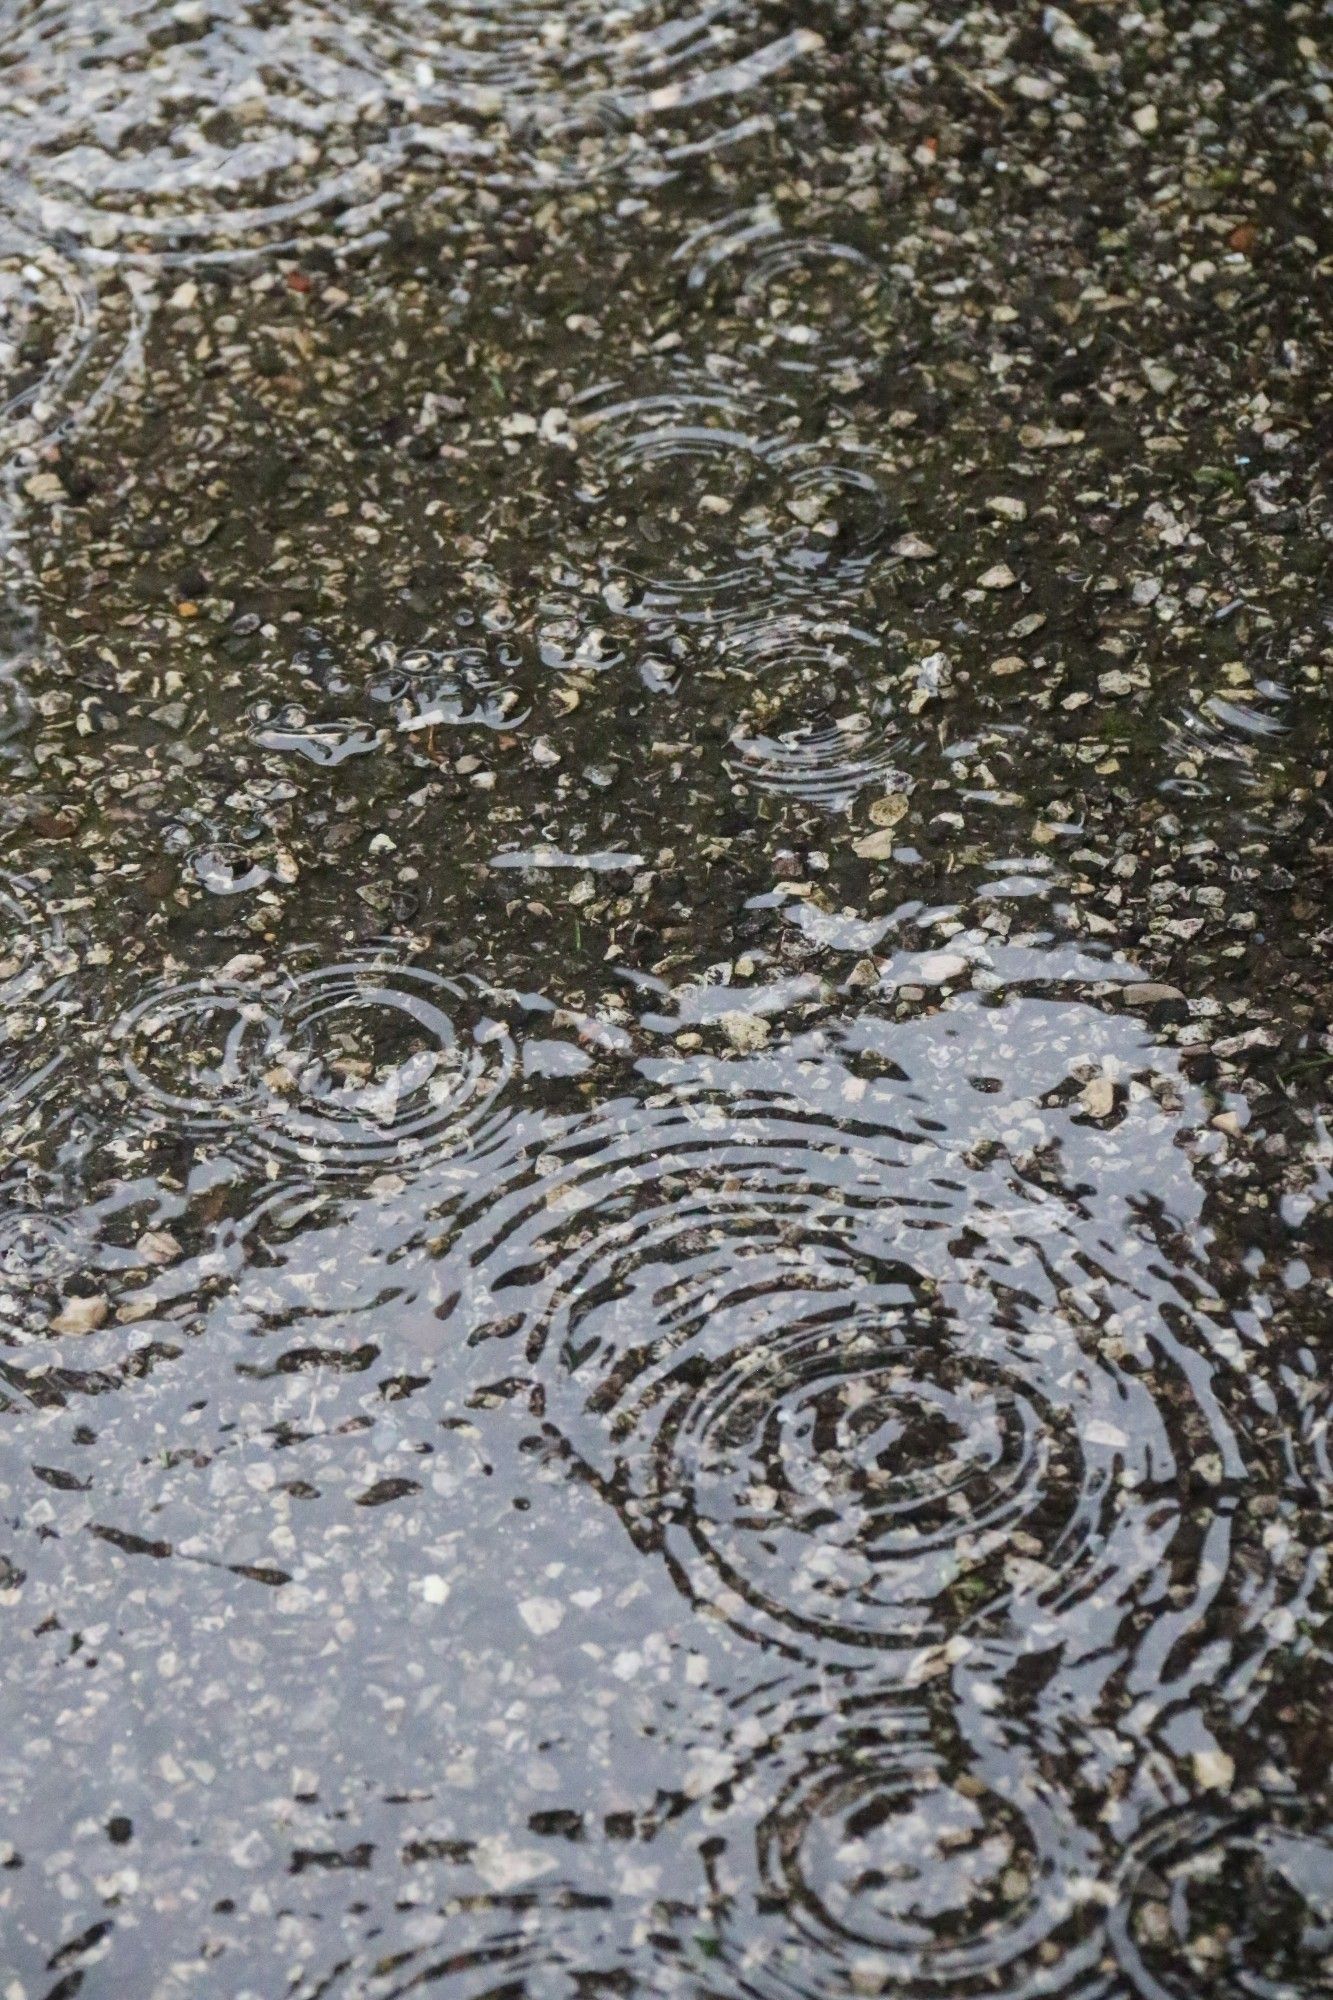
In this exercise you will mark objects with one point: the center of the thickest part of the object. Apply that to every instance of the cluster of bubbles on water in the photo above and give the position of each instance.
(459, 686)
(1229, 735)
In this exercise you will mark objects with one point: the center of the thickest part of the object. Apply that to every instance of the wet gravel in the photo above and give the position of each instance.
(664, 1253)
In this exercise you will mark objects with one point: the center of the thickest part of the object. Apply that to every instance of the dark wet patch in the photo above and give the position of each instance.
(664, 1261)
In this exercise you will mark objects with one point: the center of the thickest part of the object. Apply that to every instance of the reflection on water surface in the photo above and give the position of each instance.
(664, 1035)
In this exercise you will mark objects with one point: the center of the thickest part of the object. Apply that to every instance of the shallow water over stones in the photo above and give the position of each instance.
(664, 1269)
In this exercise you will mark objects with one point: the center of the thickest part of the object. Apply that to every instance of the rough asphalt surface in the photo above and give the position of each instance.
(665, 1138)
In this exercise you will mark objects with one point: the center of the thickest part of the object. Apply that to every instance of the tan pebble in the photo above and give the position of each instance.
(158, 1246)
(1213, 1770)
(938, 967)
(82, 1315)
(1098, 1097)
(745, 1031)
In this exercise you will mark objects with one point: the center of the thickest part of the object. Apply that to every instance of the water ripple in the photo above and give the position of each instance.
(816, 724)
(1237, 1905)
(35, 1243)
(523, 1946)
(869, 1357)
(222, 122)
(699, 506)
(36, 997)
(214, 122)
(810, 305)
(348, 1068)
(48, 319)
(66, 344)
(895, 1864)
(558, 66)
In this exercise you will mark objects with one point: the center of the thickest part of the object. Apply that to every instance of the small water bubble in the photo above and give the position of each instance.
(326, 743)
(228, 871)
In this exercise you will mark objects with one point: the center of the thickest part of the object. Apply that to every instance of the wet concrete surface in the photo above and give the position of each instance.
(664, 1261)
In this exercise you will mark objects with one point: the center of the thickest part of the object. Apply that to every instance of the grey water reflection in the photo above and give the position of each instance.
(663, 1002)
(482, 1535)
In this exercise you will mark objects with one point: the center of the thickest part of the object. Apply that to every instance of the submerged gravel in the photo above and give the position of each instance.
(664, 1260)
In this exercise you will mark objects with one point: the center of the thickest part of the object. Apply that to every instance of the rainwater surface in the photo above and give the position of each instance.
(665, 1148)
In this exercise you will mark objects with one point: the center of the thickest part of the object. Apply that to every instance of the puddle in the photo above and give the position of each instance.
(664, 1044)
